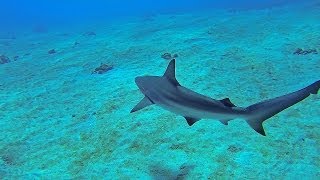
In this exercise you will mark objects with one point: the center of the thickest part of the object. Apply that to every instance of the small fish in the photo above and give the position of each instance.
(166, 92)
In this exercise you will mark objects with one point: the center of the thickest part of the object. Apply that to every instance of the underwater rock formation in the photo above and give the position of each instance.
(52, 51)
(103, 68)
(300, 51)
(4, 59)
(168, 56)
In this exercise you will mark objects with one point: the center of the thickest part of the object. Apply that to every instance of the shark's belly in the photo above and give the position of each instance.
(192, 105)
(198, 113)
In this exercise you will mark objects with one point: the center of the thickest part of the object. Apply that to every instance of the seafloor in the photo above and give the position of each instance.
(58, 120)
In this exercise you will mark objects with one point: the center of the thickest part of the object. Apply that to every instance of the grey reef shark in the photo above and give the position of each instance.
(166, 92)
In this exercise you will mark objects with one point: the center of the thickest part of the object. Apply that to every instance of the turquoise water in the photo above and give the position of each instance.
(65, 115)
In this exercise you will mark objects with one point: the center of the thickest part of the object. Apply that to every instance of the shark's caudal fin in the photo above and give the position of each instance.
(170, 73)
(259, 112)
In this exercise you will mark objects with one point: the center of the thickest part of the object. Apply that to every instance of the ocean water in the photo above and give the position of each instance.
(67, 86)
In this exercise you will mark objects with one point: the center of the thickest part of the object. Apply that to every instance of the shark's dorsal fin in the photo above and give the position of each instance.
(170, 73)
(227, 102)
(142, 104)
(191, 121)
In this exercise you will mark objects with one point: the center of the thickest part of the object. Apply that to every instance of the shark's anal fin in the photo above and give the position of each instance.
(170, 73)
(191, 121)
(227, 102)
(142, 104)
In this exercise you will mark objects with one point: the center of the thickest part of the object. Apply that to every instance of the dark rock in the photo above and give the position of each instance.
(313, 51)
(52, 51)
(300, 51)
(16, 58)
(90, 33)
(168, 56)
(75, 44)
(103, 68)
(4, 59)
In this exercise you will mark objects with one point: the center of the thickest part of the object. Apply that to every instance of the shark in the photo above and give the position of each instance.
(166, 92)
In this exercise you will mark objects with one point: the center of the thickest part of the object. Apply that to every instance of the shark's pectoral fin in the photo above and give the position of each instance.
(227, 102)
(170, 73)
(191, 121)
(142, 104)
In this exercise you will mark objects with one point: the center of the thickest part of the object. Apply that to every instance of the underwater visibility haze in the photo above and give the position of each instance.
(116, 89)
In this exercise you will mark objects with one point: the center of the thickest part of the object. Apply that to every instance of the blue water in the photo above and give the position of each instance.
(67, 71)
(48, 12)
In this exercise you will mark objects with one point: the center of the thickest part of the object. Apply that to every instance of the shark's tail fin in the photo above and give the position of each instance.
(259, 112)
